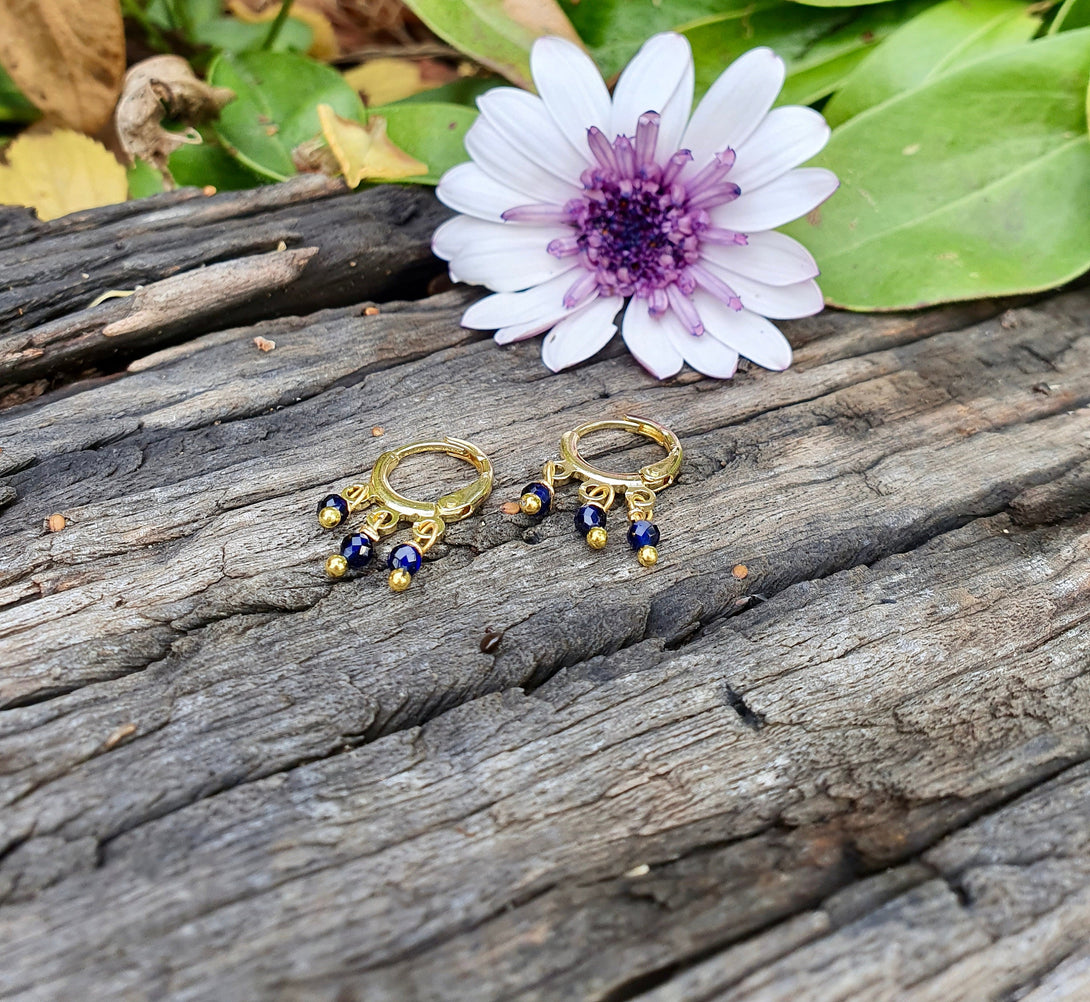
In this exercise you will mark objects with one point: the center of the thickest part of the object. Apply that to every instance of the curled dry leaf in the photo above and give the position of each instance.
(60, 172)
(155, 88)
(67, 58)
(358, 152)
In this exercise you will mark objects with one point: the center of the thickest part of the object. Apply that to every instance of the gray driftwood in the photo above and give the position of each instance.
(835, 746)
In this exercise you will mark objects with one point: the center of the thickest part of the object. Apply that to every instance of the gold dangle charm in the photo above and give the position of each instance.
(429, 518)
(598, 489)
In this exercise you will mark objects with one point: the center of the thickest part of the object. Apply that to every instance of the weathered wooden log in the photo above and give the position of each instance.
(798, 759)
(371, 242)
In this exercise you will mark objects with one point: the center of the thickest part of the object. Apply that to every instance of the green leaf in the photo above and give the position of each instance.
(496, 33)
(975, 184)
(276, 108)
(201, 164)
(144, 180)
(939, 39)
(823, 67)
(13, 106)
(433, 133)
(232, 35)
(1071, 15)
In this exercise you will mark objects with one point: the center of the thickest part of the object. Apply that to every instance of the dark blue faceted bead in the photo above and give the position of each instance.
(643, 533)
(358, 550)
(542, 492)
(404, 555)
(588, 517)
(334, 501)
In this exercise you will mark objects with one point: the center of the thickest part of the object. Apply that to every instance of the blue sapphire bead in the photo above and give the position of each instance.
(643, 533)
(337, 503)
(589, 516)
(357, 549)
(542, 493)
(406, 556)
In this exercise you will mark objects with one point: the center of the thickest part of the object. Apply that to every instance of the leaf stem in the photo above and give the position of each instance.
(274, 31)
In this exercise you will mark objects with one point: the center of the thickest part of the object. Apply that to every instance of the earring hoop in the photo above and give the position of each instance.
(599, 488)
(429, 518)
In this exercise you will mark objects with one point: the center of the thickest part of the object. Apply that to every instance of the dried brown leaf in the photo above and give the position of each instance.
(155, 88)
(67, 57)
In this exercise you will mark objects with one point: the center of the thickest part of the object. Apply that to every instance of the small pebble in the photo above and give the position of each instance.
(510, 508)
(264, 343)
(119, 735)
(55, 523)
(378, 431)
(370, 311)
(740, 571)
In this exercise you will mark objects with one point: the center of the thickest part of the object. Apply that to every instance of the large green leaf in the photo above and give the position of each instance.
(975, 184)
(1071, 15)
(276, 108)
(823, 66)
(433, 133)
(935, 41)
(497, 33)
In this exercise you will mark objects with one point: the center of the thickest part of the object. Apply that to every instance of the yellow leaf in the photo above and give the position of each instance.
(365, 151)
(323, 42)
(386, 80)
(68, 58)
(60, 172)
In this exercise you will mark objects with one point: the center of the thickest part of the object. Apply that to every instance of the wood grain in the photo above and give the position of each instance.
(857, 773)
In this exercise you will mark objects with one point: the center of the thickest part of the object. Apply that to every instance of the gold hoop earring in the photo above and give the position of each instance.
(598, 488)
(429, 518)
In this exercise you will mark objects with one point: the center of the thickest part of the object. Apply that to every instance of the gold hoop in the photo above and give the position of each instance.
(655, 477)
(391, 508)
(599, 488)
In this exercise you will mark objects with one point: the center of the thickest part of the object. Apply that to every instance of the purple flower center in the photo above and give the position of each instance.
(637, 229)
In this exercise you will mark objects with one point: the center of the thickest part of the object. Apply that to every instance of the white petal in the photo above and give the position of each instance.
(659, 78)
(510, 269)
(520, 332)
(703, 352)
(498, 156)
(748, 334)
(543, 303)
(648, 341)
(523, 118)
(571, 87)
(581, 335)
(734, 105)
(786, 138)
(466, 233)
(466, 188)
(780, 302)
(769, 257)
(791, 195)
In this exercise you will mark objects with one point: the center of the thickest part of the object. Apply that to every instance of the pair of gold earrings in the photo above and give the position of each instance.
(598, 491)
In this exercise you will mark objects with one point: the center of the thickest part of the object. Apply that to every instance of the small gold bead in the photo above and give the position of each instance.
(648, 556)
(329, 518)
(400, 579)
(597, 537)
(336, 566)
(530, 504)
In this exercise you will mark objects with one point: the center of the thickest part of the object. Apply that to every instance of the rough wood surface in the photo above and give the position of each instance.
(859, 771)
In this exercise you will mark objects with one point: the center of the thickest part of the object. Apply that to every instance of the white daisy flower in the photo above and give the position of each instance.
(578, 206)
